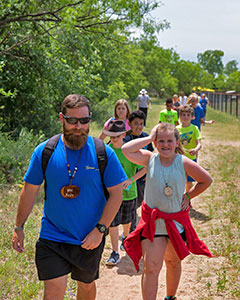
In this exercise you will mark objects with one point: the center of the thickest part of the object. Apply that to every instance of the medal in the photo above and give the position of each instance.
(71, 191)
(168, 191)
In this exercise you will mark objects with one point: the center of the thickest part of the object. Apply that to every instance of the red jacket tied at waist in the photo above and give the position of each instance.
(146, 228)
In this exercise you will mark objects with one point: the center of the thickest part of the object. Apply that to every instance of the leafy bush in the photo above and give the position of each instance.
(15, 155)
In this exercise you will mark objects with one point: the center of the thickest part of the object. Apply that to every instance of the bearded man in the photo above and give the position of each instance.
(76, 214)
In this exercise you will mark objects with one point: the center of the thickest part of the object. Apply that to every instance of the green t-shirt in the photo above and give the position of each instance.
(188, 137)
(168, 116)
(130, 169)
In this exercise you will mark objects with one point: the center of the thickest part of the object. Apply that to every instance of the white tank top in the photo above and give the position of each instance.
(154, 196)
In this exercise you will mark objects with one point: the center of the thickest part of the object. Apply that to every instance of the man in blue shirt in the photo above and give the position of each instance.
(76, 214)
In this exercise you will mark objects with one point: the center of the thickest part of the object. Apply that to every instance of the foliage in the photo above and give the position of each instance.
(230, 67)
(190, 74)
(211, 61)
(51, 49)
(233, 81)
(15, 155)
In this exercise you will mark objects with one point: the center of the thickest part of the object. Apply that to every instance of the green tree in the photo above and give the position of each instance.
(49, 49)
(230, 67)
(233, 81)
(211, 61)
(189, 75)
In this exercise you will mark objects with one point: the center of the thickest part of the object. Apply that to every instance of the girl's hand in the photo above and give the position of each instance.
(126, 183)
(153, 133)
(186, 203)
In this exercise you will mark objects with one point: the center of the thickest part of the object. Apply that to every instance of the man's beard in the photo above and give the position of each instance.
(75, 142)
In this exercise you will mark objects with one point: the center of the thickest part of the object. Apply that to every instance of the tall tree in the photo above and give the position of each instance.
(211, 61)
(230, 67)
(51, 48)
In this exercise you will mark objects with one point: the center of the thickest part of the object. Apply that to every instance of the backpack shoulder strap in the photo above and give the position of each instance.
(102, 160)
(46, 154)
(101, 155)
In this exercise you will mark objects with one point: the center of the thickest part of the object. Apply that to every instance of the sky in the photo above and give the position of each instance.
(197, 26)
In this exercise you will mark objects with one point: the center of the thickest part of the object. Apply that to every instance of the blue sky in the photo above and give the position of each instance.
(201, 25)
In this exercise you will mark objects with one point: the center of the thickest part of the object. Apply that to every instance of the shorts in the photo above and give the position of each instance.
(190, 179)
(126, 213)
(54, 259)
(183, 235)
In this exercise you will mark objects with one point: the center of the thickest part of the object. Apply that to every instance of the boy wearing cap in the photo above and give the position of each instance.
(117, 132)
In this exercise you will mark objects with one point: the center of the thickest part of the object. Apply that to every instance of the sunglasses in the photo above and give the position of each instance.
(74, 121)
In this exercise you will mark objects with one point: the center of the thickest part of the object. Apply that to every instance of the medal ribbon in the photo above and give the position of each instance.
(72, 175)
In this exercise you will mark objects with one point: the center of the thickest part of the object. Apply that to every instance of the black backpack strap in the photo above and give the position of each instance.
(46, 154)
(102, 160)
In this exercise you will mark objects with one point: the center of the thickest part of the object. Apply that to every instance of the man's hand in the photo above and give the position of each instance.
(92, 240)
(18, 240)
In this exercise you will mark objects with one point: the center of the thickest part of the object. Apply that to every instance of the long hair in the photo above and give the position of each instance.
(122, 102)
(172, 128)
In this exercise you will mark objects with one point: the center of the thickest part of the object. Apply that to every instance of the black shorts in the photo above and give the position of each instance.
(126, 213)
(54, 259)
(183, 236)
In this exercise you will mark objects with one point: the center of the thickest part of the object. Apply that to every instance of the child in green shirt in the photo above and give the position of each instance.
(169, 115)
(117, 132)
(190, 137)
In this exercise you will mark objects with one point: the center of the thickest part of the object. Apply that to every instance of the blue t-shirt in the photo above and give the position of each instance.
(198, 114)
(70, 220)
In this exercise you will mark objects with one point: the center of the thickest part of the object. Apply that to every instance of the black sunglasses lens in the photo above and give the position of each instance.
(84, 120)
(73, 121)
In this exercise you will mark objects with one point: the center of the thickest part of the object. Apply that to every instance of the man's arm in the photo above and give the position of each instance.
(25, 204)
(138, 102)
(149, 103)
(94, 238)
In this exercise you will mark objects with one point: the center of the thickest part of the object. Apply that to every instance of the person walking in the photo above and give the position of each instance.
(76, 214)
(169, 115)
(190, 138)
(136, 122)
(165, 223)
(143, 103)
(127, 210)
(121, 112)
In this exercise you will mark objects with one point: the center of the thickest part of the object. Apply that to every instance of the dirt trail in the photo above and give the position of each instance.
(122, 282)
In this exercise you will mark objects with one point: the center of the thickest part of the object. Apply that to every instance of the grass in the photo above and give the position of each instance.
(220, 228)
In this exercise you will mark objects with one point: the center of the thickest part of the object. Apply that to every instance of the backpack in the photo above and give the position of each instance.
(101, 157)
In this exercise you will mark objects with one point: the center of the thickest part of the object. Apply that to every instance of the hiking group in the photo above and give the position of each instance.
(92, 188)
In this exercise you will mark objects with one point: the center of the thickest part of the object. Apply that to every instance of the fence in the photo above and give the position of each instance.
(226, 102)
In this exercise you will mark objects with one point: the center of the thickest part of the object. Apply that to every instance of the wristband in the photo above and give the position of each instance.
(17, 228)
(190, 204)
(131, 179)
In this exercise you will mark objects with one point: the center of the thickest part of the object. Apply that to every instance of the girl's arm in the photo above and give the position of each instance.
(102, 136)
(201, 176)
(134, 152)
